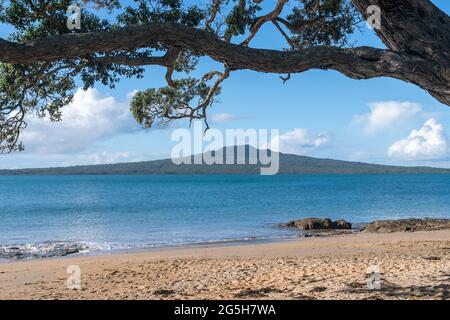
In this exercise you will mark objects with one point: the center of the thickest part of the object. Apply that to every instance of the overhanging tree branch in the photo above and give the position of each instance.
(415, 32)
(357, 63)
(415, 26)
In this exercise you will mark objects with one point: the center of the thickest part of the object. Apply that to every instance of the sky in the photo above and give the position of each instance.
(319, 113)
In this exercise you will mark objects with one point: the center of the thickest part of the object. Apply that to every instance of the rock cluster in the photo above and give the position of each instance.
(406, 225)
(318, 224)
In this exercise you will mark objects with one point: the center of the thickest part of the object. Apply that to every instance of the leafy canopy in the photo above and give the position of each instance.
(43, 89)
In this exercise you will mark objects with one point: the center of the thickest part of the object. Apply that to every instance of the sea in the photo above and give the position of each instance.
(49, 216)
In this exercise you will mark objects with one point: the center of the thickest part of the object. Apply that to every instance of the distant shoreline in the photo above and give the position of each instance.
(289, 164)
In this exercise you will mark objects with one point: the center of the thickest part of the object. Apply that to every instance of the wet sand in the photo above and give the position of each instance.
(412, 265)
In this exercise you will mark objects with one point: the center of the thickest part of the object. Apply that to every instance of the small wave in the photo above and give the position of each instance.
(225, 241)
(49, 249)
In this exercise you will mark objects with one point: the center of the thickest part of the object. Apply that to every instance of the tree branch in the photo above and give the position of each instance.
(214, 10)
(130, 61)
(357, 63)
(412, 25)
(262, 20)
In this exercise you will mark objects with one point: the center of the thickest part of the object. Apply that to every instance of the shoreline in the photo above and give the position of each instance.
(159, 248)
(295, 235)
(413, 266)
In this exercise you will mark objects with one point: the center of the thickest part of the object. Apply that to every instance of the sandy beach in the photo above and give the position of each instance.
(412, 265)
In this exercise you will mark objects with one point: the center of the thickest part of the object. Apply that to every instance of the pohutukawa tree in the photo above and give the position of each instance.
(42, 62)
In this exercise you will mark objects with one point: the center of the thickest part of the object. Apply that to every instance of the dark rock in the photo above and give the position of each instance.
(40, 250)
(306, 235)
(164, 292)
(318, 224)
(433, 258)
(342, 225)
(406, 225)
(257, 293)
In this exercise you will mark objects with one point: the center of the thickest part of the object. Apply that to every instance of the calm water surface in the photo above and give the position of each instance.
(57, 215)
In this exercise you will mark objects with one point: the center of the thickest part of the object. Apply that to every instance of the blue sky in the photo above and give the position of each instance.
(378, 120)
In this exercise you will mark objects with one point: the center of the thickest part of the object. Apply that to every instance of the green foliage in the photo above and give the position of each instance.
(42, 89)
(173, 11)
(240, 18)
(329, 24)
(168, 103)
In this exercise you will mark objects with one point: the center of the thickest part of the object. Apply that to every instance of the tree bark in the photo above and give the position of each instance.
(416, 33)
(415, 26)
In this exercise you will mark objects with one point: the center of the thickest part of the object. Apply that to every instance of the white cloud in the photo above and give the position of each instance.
(108, 158)
(359, 156)
(299, 141)
(429, 142)
(386, 114)
(90, 118)
(131, 94)
(223, 117)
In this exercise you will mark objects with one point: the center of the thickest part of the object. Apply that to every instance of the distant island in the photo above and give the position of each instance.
(289, 164)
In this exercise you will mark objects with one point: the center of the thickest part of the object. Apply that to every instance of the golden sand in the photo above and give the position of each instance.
(411, 265)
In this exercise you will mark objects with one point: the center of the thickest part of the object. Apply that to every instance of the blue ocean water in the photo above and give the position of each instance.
(57, 215)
